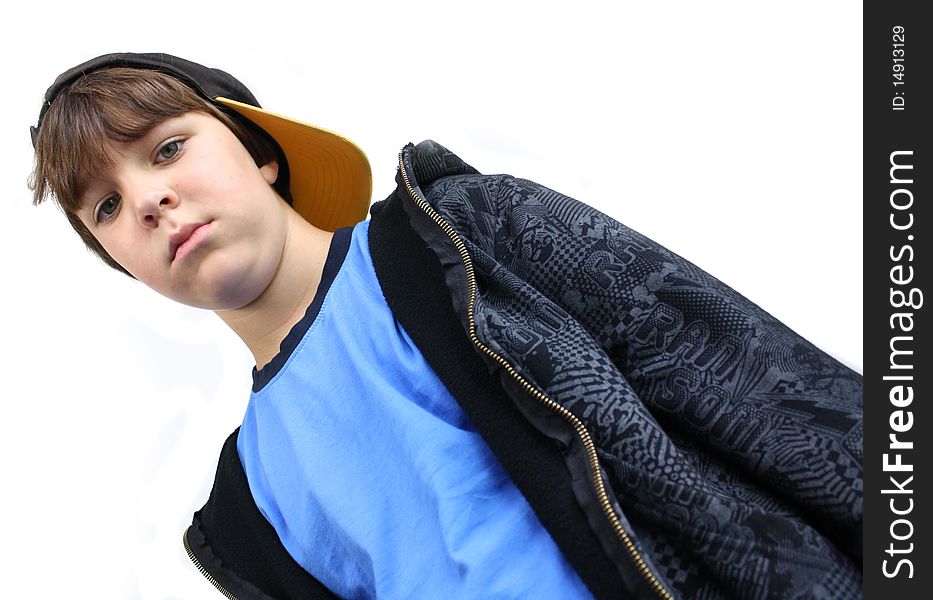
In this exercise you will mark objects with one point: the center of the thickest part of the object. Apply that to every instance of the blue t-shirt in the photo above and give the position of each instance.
(369, 471)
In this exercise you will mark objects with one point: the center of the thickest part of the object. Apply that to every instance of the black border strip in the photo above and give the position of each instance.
(897, 265)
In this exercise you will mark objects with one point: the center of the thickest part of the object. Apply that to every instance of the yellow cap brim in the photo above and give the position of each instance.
(331, 180)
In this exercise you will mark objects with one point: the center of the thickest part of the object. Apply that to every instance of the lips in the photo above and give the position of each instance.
(186, 240)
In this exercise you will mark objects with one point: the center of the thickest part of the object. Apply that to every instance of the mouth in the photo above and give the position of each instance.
(184, 241)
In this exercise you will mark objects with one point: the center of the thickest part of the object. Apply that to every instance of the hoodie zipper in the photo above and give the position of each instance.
(579, 428)
(200, 567)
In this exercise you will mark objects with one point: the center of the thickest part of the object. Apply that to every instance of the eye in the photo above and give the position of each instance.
(169, 150)
(106, 209)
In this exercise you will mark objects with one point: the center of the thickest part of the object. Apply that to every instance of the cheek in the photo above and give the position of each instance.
(226, 172)
(118, 247)
(134, 253)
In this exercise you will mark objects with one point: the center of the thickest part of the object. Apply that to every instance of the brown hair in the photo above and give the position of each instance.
(121, 105)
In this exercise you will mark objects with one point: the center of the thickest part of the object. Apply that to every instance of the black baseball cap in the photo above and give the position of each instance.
(330, 176)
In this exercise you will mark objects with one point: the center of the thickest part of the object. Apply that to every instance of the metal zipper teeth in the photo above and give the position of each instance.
(197, 563)
(578, 426)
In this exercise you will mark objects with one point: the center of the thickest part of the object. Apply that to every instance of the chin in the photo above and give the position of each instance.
(221, 281)
(229, 289)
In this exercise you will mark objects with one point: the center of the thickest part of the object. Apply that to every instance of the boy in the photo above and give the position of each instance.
(486, 390)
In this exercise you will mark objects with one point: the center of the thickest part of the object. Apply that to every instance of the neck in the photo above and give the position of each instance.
(263, 323)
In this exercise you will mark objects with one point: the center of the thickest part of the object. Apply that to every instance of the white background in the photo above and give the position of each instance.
(728, 131)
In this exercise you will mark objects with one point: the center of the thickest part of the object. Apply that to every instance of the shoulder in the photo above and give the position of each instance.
(236, 548)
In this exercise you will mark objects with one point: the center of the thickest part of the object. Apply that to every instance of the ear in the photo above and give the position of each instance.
(270, 171)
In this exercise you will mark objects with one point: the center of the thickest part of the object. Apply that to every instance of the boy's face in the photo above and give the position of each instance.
(186, 210)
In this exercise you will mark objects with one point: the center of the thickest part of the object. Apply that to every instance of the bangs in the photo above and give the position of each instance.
(112, 105)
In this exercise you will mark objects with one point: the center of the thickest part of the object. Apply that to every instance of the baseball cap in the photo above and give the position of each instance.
(330, 176)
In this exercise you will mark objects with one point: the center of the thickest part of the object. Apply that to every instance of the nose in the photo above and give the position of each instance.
(151, 205)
